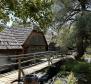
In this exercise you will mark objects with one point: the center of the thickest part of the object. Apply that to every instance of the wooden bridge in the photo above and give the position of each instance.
(47, 58)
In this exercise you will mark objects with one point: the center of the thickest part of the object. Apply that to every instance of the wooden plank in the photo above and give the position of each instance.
(11, 76)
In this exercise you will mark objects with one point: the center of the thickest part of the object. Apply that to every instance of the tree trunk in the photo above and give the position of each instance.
(80, 48)
(80, 37)
(83, 4)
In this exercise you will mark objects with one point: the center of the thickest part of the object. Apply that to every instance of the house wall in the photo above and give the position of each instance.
(6, 53)
(11, 51)
(4, 60)
(35, 43)
(36, 48)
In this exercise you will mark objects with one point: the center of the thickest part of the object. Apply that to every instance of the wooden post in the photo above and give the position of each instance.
(34, 59)
(20, 71)
(19, 67)
(49, 60)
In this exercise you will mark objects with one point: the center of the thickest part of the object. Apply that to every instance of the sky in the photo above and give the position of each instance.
(10, 22)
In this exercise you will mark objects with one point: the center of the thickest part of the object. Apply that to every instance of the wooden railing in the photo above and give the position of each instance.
(29, 57)
(48, 55)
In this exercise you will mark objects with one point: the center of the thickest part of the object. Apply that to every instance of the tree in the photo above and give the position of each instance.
(66, 38)
(83, 33)
(38, 11)
(68, 12)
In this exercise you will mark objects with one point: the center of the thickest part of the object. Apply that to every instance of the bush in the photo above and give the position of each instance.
(71, 79)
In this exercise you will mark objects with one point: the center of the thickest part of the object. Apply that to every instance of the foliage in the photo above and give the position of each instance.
(66, 38)
(68, 10)
(88, 49)
(37, 10)
(81, 70)
(57, 81)
(78, 67)
(71, 79)
(83, 33)
(3, 17)
(64, 8)
(1, 29)
(83, 24)
(40, 12)
(87, 56)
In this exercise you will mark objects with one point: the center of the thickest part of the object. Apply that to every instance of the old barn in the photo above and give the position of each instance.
(22, 40)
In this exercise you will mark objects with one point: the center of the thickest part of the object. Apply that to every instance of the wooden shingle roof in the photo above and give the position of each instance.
(7, 41)
(15, 38)
(21, 34)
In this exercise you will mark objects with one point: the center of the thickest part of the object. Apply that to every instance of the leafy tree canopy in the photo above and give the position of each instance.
(36, 10)
(68, 9)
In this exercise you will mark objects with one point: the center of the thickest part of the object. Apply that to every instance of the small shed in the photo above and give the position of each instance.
(22, 40)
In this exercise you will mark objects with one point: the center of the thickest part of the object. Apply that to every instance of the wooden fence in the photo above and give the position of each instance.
(48, 55)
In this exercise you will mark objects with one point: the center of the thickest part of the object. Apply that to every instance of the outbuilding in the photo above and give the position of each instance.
(22, 41)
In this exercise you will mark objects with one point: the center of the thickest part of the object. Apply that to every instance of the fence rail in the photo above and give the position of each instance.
(24, 58)
(29, 54)
(28, 57)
